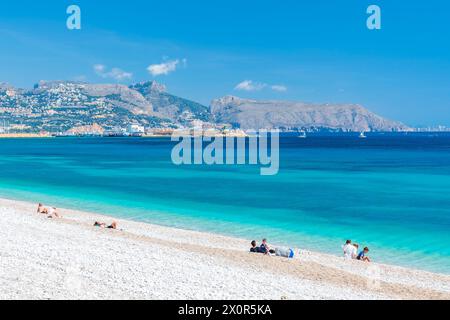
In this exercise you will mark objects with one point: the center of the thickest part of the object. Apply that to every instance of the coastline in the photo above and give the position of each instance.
(68, 258)
(23, 135)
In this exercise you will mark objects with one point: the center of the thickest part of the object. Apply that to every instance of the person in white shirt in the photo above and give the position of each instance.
(350, 251)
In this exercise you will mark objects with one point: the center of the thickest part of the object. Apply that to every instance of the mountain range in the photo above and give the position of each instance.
(59, 106)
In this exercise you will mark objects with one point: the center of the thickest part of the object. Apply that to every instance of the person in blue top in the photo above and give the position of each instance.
(362, 256)
(264, 247)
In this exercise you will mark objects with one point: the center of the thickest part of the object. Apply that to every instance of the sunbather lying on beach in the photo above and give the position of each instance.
(103, 225)
(51, 212)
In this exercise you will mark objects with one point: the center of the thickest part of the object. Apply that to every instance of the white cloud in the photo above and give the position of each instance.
(279, 88)
(165, 68)
(249, 85)
(119, 74)
(99, 68)
(115, 73)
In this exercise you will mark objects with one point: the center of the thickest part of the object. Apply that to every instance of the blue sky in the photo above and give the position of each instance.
(313, 51)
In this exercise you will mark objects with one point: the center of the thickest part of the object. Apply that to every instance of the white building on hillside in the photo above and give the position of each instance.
(135, 129)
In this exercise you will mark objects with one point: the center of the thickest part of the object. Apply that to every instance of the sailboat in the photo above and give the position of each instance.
(303, 135)
(362, 135)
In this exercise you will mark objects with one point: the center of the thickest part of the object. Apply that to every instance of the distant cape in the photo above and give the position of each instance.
(247, 114)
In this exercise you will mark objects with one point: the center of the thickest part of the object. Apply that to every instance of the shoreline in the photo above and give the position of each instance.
(232, 135)
(24, 136)
(202, 230)
(148, 261)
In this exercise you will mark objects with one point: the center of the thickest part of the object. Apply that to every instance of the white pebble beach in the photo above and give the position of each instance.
(69, 258)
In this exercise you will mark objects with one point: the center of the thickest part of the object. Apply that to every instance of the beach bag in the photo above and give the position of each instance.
(284, 252)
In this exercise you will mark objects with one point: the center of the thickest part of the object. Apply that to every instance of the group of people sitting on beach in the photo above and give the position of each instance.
(264, 248)
(351, 252)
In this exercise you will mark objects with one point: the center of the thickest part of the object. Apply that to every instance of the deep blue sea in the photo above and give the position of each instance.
(388, 192)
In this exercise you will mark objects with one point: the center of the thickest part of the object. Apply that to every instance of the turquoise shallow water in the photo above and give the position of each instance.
(388, 192)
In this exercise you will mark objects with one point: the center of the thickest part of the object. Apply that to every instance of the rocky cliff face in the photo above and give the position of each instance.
(120, 96)
(169, 106)
(253, 114)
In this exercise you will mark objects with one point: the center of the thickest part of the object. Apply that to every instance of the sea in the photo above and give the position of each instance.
(389, 192)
